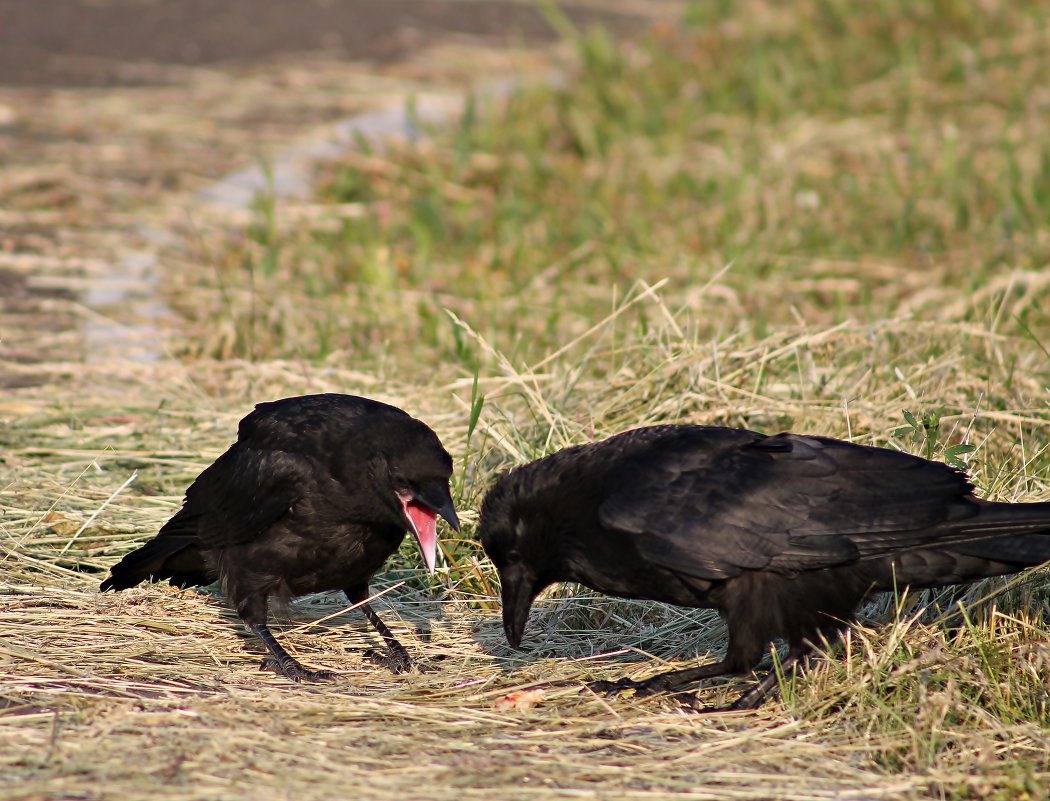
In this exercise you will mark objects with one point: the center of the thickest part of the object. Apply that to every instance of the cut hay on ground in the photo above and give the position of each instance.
(157, 692)
(823, 216)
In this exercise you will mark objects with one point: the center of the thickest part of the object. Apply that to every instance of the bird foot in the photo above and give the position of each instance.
(695, 705)
(396, 661)
(751, 699)
(748, 701)
(641, 688)
(291, 669)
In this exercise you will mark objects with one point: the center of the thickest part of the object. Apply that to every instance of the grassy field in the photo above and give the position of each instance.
(824, 216)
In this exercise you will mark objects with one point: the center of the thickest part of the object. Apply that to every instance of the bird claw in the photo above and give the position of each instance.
(694, 704)
(739, 705)
(610, 688)
(294, 671)
(750, 700)
(396, 662)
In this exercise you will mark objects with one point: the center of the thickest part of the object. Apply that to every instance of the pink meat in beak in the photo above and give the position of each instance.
(424, 526)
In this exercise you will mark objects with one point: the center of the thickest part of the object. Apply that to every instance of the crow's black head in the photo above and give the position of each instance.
(411, 471)
(515, 548)
(392, 467)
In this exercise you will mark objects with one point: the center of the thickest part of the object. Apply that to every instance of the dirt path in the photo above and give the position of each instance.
(115, 116)
(137, 42)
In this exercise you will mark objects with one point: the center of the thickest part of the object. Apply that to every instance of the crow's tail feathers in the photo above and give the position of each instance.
(1016, 534)
(1004, 519)
(1002, 539)
(174, 554)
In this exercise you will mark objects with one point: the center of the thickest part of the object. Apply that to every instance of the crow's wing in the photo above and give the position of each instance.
(242, 494)
(711, 505)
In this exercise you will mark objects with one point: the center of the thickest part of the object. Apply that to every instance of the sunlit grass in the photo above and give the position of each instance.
(824, 216)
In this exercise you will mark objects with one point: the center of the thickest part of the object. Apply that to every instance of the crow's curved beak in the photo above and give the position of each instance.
(518, 595)
(448, 511)
(421, 510)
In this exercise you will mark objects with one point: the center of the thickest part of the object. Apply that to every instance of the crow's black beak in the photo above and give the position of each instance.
(517, 601)
(439, 498)
(448, 511)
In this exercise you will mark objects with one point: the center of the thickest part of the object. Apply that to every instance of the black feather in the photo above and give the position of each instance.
(308, 499)
(785, 535)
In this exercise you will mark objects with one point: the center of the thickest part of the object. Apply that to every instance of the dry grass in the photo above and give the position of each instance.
(579, 262)
(154, 692)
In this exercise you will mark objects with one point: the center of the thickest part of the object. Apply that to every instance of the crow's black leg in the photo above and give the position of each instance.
(666, 682)
(397, 660)
(663, 682)
(741, 654)
(757, 695)
(283, 662)
(797, 660)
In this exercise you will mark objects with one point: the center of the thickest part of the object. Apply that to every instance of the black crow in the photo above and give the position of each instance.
(784, 535)
(314, 495)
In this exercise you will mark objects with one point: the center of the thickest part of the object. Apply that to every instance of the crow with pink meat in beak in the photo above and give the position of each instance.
(314, 495)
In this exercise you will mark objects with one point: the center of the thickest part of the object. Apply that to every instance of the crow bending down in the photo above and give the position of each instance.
(314, 495)
(784, 535)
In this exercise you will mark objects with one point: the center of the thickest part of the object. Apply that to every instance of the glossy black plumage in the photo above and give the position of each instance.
(784, 535)
(314, 495)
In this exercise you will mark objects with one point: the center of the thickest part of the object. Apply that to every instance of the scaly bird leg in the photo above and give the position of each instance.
(282, 662)
(769, 686)
(749, 700)
(663, 682)
(398, 660)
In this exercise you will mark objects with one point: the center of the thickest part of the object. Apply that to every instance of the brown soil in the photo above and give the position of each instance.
(118, 42)
(115, 113)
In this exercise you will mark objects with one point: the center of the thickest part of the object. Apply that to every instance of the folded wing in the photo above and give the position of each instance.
(714, 502)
